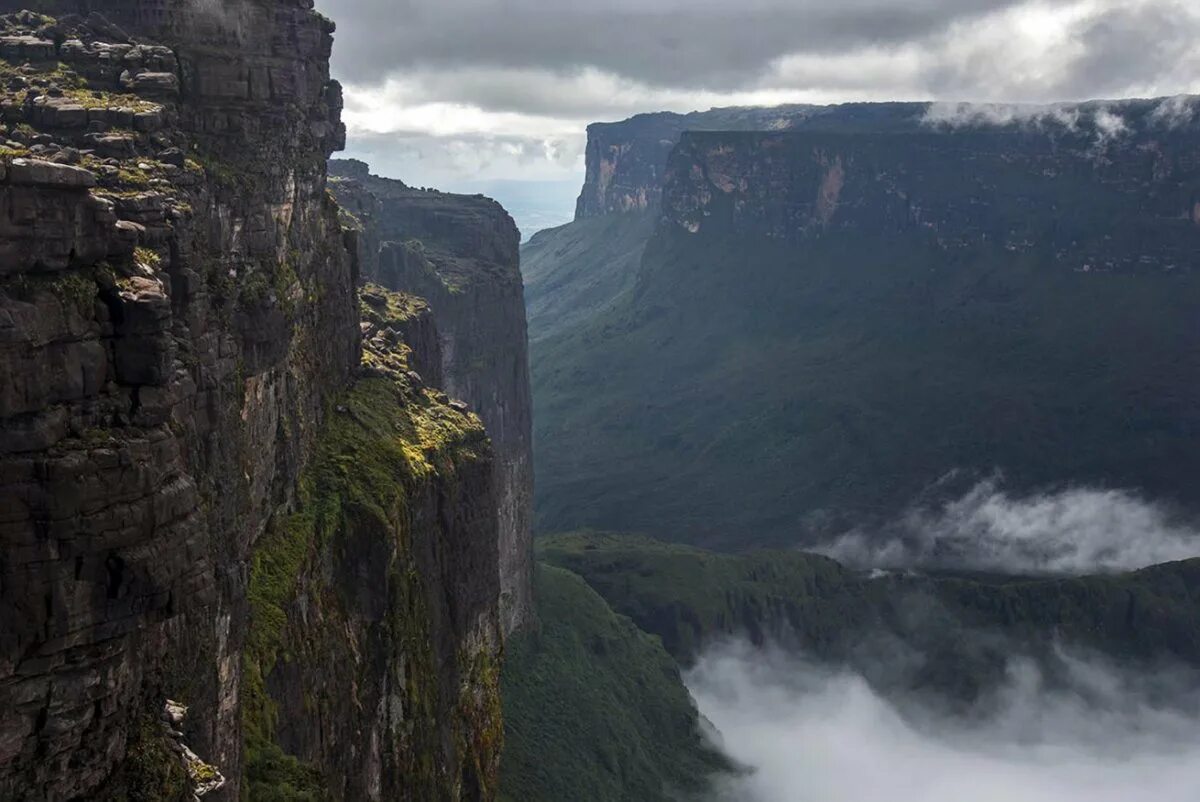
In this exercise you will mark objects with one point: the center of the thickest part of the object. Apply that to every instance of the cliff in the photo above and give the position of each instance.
(182, 408)
(626, 161)
(373, 651)
(460, 253)
(828, 324)
(1131, 208)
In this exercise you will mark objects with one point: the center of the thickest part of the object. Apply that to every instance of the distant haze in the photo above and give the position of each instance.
(534, 205)
(808, 734)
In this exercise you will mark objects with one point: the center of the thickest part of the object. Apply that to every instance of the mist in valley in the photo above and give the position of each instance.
(1099, 732)
(1073, 531)
(1073, 727)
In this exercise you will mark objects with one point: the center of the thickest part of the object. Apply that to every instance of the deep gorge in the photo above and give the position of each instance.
(269, 424)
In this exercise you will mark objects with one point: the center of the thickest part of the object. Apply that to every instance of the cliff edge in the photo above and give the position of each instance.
(240, 549)
(460, 253)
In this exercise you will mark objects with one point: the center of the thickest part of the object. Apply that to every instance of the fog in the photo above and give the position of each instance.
(808, 734)
(1074, 531)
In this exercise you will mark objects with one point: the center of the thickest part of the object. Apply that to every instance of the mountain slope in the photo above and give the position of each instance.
(594, 708)
(824, 326)
(574, 271)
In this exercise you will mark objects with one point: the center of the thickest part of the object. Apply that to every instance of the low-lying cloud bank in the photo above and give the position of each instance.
(807, 734)
(1074, 531)
(1104, 122)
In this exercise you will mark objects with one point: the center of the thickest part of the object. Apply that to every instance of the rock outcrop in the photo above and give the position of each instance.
(182, 417)
(626, 161)
(461, 254)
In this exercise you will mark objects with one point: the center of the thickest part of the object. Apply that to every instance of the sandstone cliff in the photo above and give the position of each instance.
(626, 161)
(461, 254)
(1089, 207)
(206, 497)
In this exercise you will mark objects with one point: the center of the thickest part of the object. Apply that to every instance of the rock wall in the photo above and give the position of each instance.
(372, 658)
(1127, 207)
(178, 330)
(461, 254)
(626, 161)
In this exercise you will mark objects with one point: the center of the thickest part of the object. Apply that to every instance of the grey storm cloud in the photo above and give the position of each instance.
(505, 86)
(714, 44)
(1151, 42)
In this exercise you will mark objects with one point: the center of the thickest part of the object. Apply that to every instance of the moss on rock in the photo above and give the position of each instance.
(383, 444)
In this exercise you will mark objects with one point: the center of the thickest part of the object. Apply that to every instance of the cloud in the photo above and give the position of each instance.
(682, 43)
(811, 734)
(543, 69)
(423, 159)
(1074, 531)
(1175, 112)
(958, 115)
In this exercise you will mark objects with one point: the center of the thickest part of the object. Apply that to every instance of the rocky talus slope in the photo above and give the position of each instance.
(460, 253)
(210, 491)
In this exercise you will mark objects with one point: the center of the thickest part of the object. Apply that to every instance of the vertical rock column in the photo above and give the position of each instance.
(461, 254)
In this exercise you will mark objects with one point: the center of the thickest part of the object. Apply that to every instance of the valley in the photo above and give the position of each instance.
(831, 453)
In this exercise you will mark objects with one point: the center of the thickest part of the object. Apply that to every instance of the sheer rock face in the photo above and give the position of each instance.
(177, 316)
(1124, 206)
(627, 160)
(461, 254)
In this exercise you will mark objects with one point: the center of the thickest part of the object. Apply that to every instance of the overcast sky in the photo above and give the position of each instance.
(455, 92)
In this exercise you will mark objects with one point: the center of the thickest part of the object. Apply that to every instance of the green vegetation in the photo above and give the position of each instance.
(76, 89)
(152, 771)
(273, 776)
(358, 481)
(147, 257)
(574, 271)
(74, 288)
(380, 306)
(594, 708)
(746, 391)
(688, 596)
(964, 629)
(380, 440)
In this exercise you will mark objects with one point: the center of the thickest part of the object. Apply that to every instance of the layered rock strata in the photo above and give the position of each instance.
(461, 254)
(180, 340)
